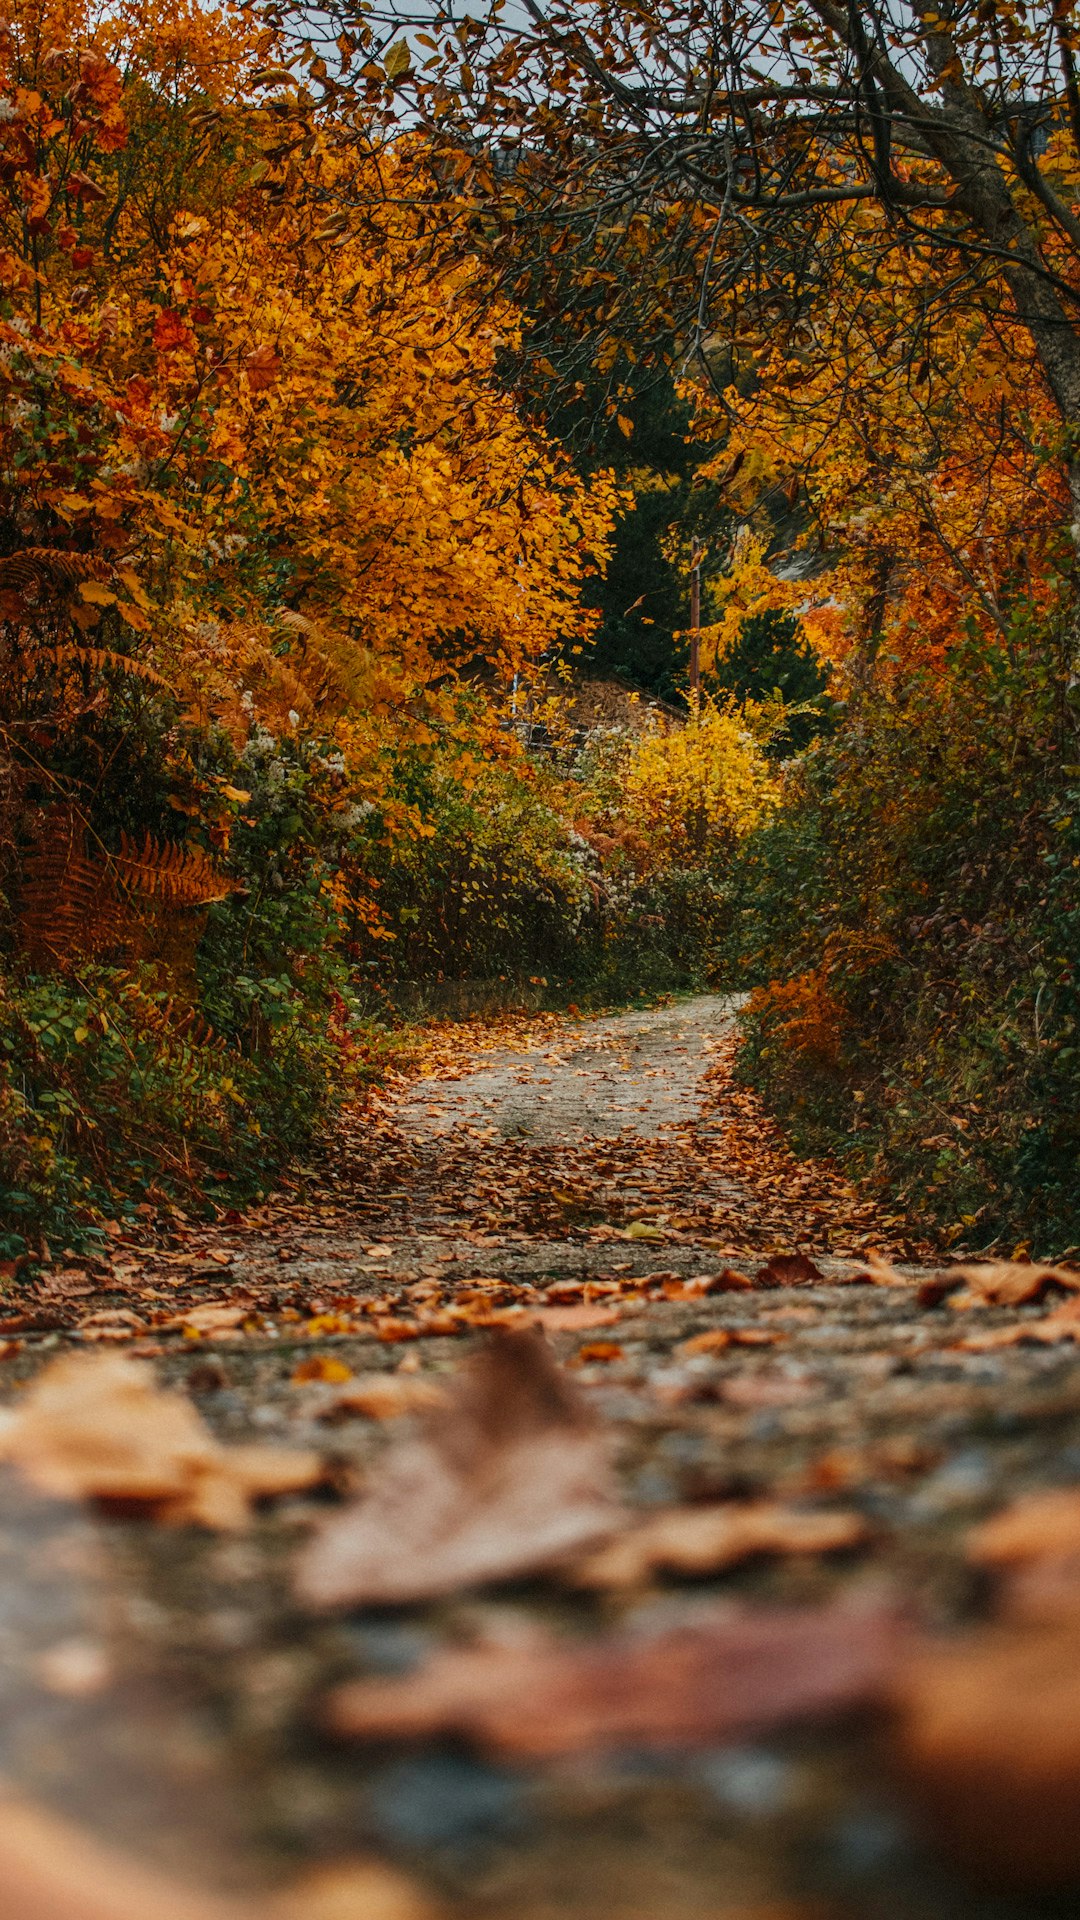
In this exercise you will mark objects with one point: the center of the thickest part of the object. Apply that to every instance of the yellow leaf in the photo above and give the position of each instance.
(97, 595)
(134, 616)
(236, 793)
(398, 60)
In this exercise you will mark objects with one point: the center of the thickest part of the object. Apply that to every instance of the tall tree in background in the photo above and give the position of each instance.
(759, 126)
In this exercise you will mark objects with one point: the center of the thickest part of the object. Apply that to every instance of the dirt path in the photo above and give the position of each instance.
(600, 1176)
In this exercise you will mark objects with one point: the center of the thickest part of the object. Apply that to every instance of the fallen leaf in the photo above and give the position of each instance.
(702, 1540)
(597, 1350)
(708, 1680)
(730, 1280)
(718, 1338)
(97, 1427)
(213, 1317)
(1062, 1324)
(788, 1270)
(383, 1396)
(996, 1283)
(508, 1477)
(321, 1366)
(1041, 1524)
(575, 1319)
(352, 1890)
(988, 1738)
(111, 1323)
(875, 1272)
(51, 1870)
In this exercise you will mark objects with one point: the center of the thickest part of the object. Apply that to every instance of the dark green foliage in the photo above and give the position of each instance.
(644, 597)
(921, 890)
(771, 659)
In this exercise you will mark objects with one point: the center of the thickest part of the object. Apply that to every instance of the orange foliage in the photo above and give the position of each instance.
(926, 464)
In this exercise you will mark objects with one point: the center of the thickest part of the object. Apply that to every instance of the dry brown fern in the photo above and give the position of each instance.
(180, 1023)
(102, 660)
(183, 876)
(34, 568)
(73, 904)
(67, 900)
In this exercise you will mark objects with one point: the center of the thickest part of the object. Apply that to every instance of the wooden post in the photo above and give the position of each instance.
(696, 557)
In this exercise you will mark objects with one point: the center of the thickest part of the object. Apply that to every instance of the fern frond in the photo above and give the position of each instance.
(184, 876)
(33, 568)
(102, 660)
(180, 1023)
(67, 900)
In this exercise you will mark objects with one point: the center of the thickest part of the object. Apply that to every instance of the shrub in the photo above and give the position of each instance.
(914, 908)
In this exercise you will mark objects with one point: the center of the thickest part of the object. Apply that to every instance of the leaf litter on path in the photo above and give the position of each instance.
(508, 1478)
(409, 1242)
(98, 1427)
(51, 1869)
(710, 1679)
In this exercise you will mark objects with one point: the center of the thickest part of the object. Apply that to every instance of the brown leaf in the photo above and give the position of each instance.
(876, 1272)
(717, 1338)
(989, 1738)
(98, 1427)
(262, 367)
(996, 1283)
(352, 1890)
(689, 1686)
(575, 1319)
(50, 1870)
(788, 1270)
(213, 1317)
(730, 1280)
(1062, 1324)
(383, 1396)
(702, 1540)
(1042, 1524)
(508, 1477)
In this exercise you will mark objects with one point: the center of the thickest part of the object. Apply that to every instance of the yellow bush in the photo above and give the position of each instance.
(695, 791)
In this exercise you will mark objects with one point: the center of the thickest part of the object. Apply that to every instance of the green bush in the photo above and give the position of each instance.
(912, 919)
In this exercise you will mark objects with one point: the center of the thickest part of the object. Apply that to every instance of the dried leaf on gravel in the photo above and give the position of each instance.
(97, 1426)
(1062, 1324)
(875, 1272)
(1039, 1526)
(352, 1890)
(689, 1686)
(51, 1870)
(788, 1270)
(212, 1317)
(321, 1369)
(575, 1319)
(383, 1396)
(702, 1540)
(508, 1477)
(730, 1280)
(996, 1283)
(988, 1737)
(719, 1338)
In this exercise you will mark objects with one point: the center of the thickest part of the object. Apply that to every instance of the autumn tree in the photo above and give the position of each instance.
(682, 162)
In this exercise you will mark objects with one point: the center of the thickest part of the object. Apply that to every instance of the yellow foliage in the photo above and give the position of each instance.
(696, 788)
